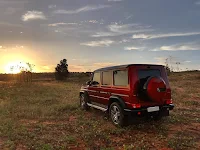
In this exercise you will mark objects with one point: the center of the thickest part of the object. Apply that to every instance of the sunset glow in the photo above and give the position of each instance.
(16, 67)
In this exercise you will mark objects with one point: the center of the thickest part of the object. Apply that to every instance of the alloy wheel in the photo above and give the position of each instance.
(115, 114)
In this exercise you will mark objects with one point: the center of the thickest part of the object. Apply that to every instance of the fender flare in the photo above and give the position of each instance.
(118, 99)
(83, 92)
(86, 95)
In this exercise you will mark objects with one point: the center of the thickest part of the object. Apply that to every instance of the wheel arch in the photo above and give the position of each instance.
(83, 92)
(86, 95)
(118, 100)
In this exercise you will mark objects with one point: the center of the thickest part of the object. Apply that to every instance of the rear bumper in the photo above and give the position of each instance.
(144, 109)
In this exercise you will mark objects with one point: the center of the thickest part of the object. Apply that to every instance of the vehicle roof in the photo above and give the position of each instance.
(123, 66)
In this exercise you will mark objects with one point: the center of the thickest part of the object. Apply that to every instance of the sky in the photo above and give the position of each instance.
(92, 34)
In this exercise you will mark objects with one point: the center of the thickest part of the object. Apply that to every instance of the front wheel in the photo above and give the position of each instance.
(116, 114)
(83, 102)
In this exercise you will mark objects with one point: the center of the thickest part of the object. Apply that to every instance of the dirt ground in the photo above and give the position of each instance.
(45, 115)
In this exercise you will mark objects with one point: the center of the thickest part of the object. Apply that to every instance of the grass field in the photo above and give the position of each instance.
(46, 115)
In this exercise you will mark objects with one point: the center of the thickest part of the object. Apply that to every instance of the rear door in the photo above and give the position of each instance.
(143, 73)
(121, 86)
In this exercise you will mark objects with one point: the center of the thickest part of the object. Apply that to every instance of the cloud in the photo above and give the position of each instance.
(129, 17)
(178, 47)
(187, 61)
(82, 9)
(156, 36)
(128, 28)
(134, 48)
(61, 23)
(124, 41)
(102, 43)
(93, 21)
(33, 15)
(104, 34)
(52, 6)
(122, 29)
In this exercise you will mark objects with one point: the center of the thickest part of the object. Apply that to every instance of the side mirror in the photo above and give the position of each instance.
(88, 82)
(94, 83)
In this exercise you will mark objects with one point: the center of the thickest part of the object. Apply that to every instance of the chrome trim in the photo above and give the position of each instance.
(92, 91)
(120, 94)
(97, 107)
(99, 97)
(127, 110)
(103, 92)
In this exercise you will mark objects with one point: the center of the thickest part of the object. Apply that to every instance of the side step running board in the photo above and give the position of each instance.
(97, 107)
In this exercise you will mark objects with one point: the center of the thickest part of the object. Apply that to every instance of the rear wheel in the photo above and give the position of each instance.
(116, 114)
(83, 102)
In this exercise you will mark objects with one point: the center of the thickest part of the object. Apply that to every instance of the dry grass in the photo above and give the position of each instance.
(46, 115)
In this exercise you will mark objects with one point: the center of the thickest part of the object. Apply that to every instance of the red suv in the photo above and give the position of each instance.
(139, 89)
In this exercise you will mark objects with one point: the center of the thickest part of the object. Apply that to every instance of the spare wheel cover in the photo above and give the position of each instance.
(155, 88)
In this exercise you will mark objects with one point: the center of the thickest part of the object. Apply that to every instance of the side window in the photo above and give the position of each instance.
(121, 78)
(96, 77)
(107, 78)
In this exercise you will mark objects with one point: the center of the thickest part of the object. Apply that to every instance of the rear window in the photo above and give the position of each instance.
(144, 74)
(121, 78)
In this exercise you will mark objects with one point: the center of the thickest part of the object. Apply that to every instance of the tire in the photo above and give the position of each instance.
(116, 114)
(83, 102)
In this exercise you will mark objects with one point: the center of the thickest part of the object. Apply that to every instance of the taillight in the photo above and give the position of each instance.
(136, 105)
(168, 101)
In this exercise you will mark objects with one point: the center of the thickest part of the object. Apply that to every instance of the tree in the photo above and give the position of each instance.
(61, 70)
(30, 67)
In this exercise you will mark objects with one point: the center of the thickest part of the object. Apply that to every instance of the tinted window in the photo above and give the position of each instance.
(144, 74)
(96, 77)
(107, 78)
(121, 78)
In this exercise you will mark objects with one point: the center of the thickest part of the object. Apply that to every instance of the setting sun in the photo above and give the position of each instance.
(16, 67)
